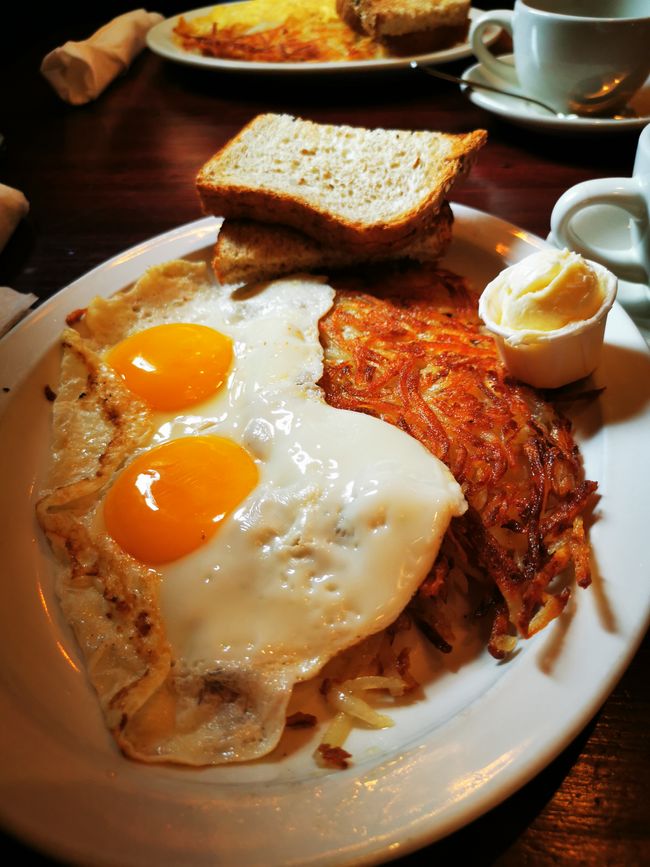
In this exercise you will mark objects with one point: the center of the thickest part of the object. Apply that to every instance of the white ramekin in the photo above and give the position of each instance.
(549, 359)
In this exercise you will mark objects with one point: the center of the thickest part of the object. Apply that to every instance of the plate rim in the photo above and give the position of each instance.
(453, 815)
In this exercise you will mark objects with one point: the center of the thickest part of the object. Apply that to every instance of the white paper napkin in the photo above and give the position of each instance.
(13, 306)
(80, 71)
(13, 207)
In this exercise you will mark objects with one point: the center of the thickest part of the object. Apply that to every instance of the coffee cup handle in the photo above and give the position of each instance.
(622, 193)
(501, 18)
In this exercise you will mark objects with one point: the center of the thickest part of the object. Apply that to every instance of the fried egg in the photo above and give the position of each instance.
(277, 530)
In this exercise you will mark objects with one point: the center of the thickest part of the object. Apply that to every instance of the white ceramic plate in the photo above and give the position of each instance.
(527, 114)
(160, 40)
(480, 731)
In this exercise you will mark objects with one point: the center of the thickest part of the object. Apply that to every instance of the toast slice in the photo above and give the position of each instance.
(249, 252)
(408, 26)
(363, 189)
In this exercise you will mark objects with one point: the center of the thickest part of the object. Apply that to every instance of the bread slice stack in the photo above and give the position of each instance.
(408, 26)
(298, 195)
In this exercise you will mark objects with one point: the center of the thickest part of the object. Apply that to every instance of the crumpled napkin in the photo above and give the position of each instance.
(13, 306)
(13, 207)
(80, 71)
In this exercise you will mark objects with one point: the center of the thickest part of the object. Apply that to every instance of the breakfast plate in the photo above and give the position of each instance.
(528, 114)
(66, 789)
(160, 39)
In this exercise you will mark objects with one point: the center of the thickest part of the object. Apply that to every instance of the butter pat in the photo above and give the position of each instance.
(547, 314)
(547, 291)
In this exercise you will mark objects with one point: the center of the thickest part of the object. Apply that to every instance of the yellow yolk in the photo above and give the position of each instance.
(171, 499)
(173, 366)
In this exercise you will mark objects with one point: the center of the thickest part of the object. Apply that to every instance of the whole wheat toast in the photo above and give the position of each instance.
(408, 26)
(248, 251)
(363, 189)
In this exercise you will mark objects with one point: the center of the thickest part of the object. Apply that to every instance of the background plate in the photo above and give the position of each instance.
(160, 40)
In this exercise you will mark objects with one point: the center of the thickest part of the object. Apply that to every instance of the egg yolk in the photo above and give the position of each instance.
(171, 499)
(173, 366)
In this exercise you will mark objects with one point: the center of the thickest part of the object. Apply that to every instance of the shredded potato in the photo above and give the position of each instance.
(376, 665)
(286, 31)
(407, 346)
(338, 730)
(350, 705)
(347, 698)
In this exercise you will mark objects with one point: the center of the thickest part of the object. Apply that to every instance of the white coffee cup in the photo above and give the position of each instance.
(631, 195)
(583, 57)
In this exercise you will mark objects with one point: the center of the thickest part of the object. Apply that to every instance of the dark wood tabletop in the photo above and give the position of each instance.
(103, 177)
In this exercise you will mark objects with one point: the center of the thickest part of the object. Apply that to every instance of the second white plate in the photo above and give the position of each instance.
(160, 39)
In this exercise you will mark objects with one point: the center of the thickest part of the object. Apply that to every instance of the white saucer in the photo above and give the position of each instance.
(528, 114)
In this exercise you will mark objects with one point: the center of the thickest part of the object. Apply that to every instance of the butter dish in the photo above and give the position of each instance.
(551, 357)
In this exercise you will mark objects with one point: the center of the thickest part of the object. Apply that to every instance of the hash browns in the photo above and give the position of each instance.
(409, 348)
(298, 39)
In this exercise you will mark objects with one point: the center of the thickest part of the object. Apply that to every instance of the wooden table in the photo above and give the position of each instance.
(120, 170)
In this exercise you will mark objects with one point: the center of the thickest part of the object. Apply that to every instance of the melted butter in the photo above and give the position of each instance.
(547, 291)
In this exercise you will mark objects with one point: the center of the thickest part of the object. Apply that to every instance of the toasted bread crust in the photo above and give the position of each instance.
(426, 41)
(389, 18)
(248, 252)
(348, 12)
(359, 188)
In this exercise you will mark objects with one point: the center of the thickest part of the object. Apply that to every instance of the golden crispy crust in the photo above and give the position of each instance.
(109, 601)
